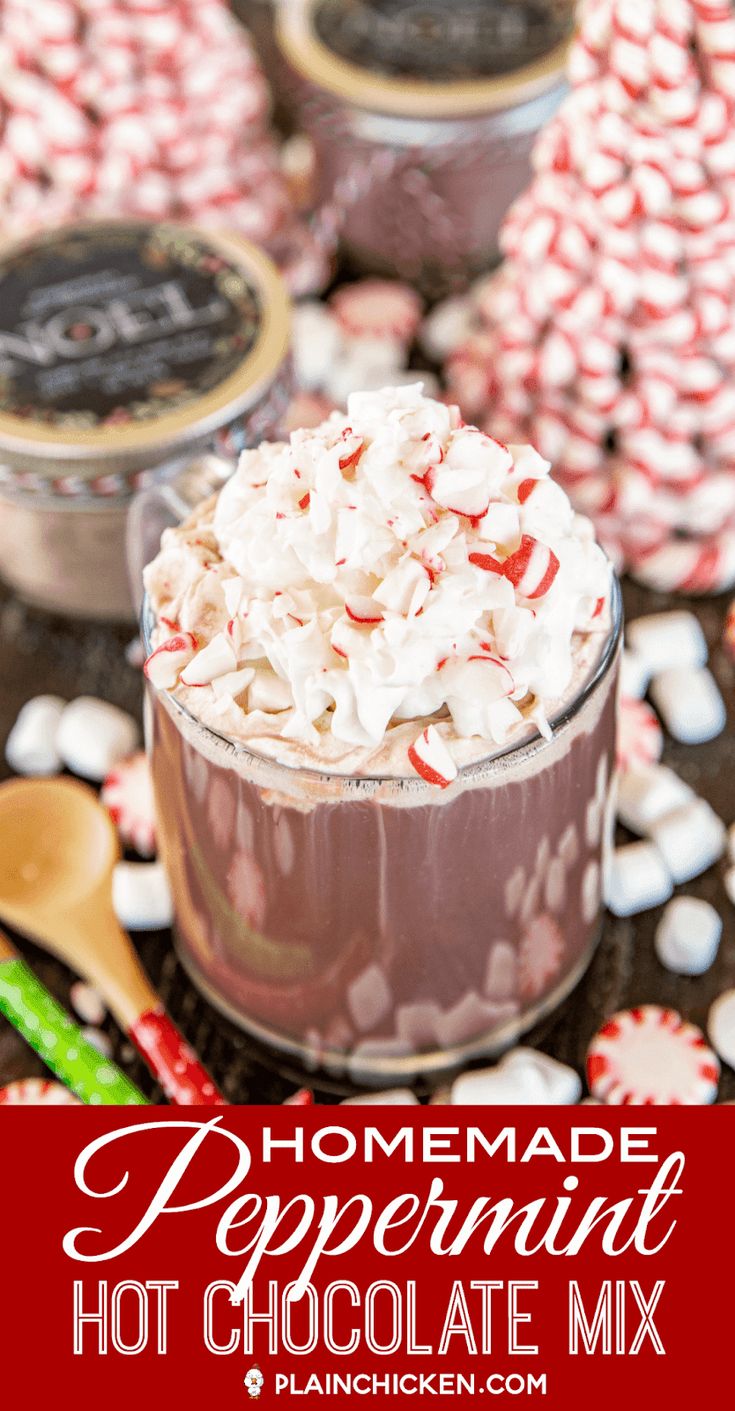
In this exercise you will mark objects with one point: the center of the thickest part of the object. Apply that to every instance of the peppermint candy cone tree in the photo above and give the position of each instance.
(149, 108)
(607, 338)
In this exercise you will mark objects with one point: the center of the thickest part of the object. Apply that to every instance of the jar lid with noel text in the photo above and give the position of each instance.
(128, 344)
(427, 58)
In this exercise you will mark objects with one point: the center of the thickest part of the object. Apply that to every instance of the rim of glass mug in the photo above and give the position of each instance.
(26, 442)
(411, 789)
(359, 87)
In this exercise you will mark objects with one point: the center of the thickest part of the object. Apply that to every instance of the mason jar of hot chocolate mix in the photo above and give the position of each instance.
(423, 116)
(125, 349)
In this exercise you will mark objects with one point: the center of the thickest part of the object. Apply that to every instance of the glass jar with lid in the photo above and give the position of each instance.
(422, 115)
(126, 348)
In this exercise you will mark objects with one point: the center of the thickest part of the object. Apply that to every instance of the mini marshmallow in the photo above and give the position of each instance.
(634, 675)
(93, 736)
(648, 793)
(448, 325)
(317, 344)
(637, 880)
(390, 1097)
(729, 880)
(668, 639)
(563, 1085)
(523, 1077)
(141, 896)
(31, 746)
(721, 1026)
(689, 703)
(87, 1003)
(688, 936)
(690, 839)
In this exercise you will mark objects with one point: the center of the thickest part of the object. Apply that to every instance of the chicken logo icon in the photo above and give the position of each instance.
(253, 1381)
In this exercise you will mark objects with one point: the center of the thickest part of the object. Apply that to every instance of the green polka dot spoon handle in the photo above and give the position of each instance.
(61, 1044)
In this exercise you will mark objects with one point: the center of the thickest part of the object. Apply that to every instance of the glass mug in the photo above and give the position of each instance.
(127, 348)
(381, 928)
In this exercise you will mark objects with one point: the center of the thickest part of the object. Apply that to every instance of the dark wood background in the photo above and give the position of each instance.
(40, 654)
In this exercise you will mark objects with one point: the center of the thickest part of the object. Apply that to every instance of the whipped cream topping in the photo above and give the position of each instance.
(390, 569)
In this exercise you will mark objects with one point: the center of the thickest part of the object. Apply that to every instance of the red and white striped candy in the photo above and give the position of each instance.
(650, 1056)
(127, 794)
(164, 666)
(640, 739)
(431, 759)
(378, 308)
(36, 1092)
(700, 566)
(532, 568)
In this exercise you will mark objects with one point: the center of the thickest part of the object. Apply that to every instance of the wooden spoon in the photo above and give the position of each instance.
(59, 847)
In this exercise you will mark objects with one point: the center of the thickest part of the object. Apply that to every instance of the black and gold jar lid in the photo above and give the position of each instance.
(124, 344)
(427, 58)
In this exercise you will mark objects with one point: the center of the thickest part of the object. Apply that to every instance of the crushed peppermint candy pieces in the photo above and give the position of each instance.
(127, 794)
(391, 566)
(605, 336)
(146, 110)
(650, 1056)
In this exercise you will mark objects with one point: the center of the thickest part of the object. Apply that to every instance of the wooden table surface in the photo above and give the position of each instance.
(42, 654)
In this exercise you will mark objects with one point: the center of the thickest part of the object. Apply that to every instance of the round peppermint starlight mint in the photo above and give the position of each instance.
(385, 651)
(651, 1056)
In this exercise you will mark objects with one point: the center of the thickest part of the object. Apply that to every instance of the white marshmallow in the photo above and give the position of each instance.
(317, 343)
(689, 703)
(688, 936)
(648, 793)
(729, 880)
(93, 736)
(398, 1097)
(562, 1084)
(523, 1077)
(31, 745)
(141, 896)
(637, 880)
(449, 324)
(721, 1026)
(634, 675)
(690, 839)
(665, 639)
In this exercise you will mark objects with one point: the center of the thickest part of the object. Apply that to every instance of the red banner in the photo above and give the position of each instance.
(556, 1256)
